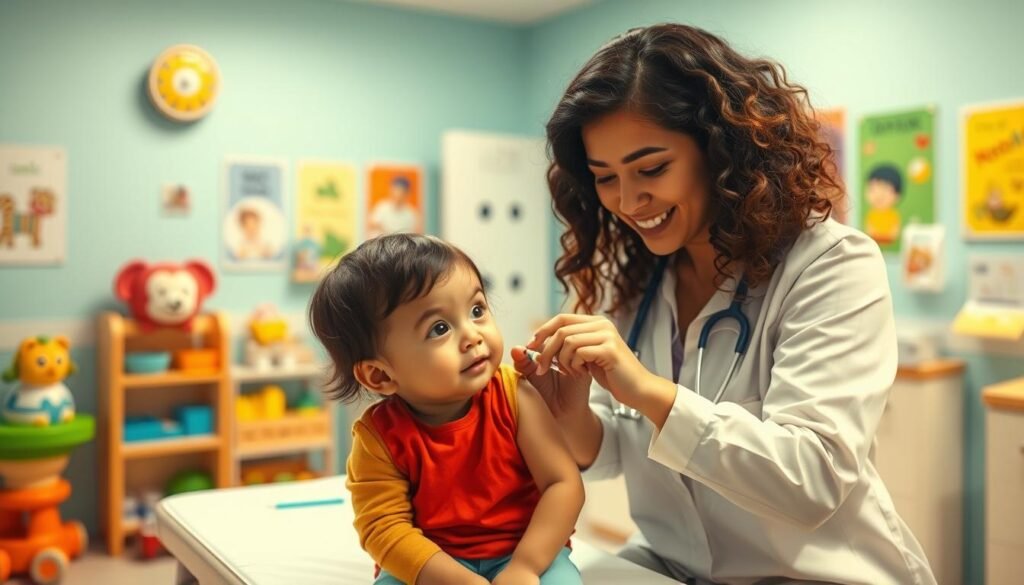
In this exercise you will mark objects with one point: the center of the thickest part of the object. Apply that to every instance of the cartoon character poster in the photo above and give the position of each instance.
(33, 205)
(923, 266)
(325, 218)
(254, 225)
(896, 182)
(833, 131)
(395, 199)
(993, 171)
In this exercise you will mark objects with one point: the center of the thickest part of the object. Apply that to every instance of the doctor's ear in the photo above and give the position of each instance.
(375, 376)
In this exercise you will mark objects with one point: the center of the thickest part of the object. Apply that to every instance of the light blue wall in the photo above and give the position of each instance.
(337, 80)
(868, 57)
(302, 79)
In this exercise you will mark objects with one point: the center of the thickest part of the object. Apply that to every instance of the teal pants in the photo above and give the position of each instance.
(561, 571)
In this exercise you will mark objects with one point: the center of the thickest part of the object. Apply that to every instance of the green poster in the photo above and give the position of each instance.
(896, 179)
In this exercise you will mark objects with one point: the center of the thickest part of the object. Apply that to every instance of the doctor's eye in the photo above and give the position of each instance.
(438, 329)
(603, 180)
(654, 171)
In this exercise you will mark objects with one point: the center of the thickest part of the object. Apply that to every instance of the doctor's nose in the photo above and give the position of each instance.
(631, 199)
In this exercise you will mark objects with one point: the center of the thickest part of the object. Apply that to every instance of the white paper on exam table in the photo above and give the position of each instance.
(242, 531)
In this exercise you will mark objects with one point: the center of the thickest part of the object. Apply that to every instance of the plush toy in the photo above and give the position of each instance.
(165, 294)
(41, 399)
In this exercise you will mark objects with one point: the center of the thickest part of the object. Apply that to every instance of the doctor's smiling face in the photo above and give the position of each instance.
(653, 179)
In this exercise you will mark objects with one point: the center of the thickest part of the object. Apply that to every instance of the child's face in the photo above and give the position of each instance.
(881, 194)
(443, 347)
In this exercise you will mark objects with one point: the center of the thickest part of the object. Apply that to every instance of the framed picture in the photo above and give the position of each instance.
(395, 200)
(175, 200)
(33, 205)
(992, 170)
(922, 258)
(896, 174)
(254, 226)
(833, 131)
(325, 217)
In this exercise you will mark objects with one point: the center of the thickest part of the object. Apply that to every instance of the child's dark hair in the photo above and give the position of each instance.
(889, 174)
(367, 285)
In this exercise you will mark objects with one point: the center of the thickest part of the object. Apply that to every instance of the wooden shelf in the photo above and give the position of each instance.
(130, 466)
(170, 446)
(1006, 395)
(283, 448)
(171, 379)
(246, 374)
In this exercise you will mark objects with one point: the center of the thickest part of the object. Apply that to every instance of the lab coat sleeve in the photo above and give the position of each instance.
(608, 463)
(834, 362)
(383, 510)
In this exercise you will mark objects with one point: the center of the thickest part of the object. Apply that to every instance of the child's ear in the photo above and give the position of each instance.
(375, 376)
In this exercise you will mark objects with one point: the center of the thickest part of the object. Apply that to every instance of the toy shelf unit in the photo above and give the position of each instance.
(165, 408)
(272, 439)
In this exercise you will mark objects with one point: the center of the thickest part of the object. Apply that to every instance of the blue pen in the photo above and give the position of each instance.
(309, 503)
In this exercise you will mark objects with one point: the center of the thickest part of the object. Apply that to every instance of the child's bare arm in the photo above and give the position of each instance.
(558, 479)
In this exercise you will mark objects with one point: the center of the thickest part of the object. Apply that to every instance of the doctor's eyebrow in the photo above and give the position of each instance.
(629, 157)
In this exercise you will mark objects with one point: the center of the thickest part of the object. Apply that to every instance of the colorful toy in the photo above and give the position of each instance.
(165, 294)
(147, 362)
(189, 481)
(270, 345)
(33, 539)
(41, 399)
(267, 403)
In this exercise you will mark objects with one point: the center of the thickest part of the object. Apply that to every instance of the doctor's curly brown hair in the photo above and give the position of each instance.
(771, 173)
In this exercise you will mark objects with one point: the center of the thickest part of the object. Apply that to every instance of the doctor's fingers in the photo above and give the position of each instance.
(570, 357)
(559, 321)
(553, 344)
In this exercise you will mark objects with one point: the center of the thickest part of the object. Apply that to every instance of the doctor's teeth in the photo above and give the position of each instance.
(653, 222)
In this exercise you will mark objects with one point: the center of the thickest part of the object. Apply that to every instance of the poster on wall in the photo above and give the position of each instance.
(33, 205)
(896, 183)
(394, 199)
(254, 227)
(833, 131)
(992, 158)
(325, 217)
(923, 266)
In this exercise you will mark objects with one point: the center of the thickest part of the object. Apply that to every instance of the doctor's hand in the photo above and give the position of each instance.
(588, 343)
(564, 394)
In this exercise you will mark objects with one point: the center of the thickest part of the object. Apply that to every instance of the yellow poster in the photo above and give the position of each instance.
(993, 171)
(325, 217)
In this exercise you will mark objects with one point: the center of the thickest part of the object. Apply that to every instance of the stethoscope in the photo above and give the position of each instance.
(734, 311)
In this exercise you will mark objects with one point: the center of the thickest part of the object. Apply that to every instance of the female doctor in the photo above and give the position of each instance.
(696, 194)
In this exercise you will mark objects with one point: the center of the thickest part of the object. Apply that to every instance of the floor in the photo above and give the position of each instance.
(96, 567)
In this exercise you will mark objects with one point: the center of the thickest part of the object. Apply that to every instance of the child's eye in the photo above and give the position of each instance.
(478, 311)
(438, 329)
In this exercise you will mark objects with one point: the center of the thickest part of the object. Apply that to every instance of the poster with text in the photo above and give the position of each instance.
(254, 226)
(33, 205)
(896, 175)
(992, 158)
(325, 217)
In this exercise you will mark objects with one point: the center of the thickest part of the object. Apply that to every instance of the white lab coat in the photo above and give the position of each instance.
(776, 480)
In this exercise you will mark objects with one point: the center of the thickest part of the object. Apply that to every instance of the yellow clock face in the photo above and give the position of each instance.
(184, 82)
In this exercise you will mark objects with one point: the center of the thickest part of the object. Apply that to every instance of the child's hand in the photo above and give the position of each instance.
(515, 574)
(563, 393)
